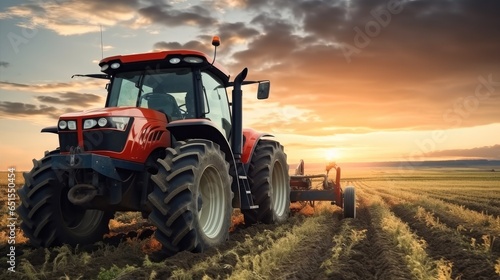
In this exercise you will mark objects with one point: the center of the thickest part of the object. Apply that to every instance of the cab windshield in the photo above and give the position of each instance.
(169, 91)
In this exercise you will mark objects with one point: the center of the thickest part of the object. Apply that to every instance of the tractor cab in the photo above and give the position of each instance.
(169, 91)
(180, 84)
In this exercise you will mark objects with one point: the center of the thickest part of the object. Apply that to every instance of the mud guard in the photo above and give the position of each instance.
(50, 129)
(205, 129)
(251, 138)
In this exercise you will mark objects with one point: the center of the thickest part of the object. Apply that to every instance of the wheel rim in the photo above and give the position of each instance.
(279, 189)
(80, 221)
(211, 214)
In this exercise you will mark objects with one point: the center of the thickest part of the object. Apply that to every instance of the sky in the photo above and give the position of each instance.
(351, 81)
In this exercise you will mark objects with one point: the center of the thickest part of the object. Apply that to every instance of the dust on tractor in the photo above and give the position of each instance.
(168, 144)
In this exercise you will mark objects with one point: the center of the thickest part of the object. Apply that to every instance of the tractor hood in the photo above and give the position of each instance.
(127, 133)
(118, 112)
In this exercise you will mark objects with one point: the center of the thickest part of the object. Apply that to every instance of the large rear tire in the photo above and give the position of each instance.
(269, 183)
(191, 197)
(48, 217)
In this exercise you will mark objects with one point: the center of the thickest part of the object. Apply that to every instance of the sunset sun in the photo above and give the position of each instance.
(332, 154)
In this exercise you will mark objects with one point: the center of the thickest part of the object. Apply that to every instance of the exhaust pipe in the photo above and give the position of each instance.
(81, 194)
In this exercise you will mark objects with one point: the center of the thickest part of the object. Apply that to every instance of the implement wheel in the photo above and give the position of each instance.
(269, 183)
(48, 217)
(191, 197)
(349, 202)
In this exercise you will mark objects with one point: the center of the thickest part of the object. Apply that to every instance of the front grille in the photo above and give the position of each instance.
(67, 140)
(104, 140)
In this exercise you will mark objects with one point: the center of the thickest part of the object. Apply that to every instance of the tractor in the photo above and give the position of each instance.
(168, 144)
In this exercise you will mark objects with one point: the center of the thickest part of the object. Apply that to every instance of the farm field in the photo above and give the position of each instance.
(428, 223)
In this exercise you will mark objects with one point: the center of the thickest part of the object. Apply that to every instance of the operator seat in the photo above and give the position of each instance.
(166, 104)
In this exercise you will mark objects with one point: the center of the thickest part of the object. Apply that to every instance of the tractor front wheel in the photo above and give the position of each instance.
(191, 197)
(48, 217)
(269, 183)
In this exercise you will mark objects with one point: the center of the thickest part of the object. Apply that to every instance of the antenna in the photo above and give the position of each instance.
(102, 48)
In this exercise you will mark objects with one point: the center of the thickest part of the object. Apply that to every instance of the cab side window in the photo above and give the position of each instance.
(218, 106)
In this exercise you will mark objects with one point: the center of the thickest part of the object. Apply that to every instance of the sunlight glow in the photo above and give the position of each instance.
(332, 154)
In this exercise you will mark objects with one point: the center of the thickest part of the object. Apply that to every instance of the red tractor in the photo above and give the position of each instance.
(168, 144)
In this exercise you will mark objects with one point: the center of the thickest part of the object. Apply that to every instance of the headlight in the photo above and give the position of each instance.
(120, 122)
(115, 65)
(63, 125)
(193, 59)
(89, 123)
(72, 125)
(175, 60)
(102, 122)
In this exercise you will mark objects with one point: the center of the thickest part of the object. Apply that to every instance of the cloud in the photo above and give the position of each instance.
(167, 15)
(75, 85)
(107, 47)
(231, 34)
(49, 105)
(74, 17)
(408, 66)
(420, 71)
(488, 152)
(270, 116)
(4, 64)
(193, 45)
(72, 99)
(18, 109)
(237, 32)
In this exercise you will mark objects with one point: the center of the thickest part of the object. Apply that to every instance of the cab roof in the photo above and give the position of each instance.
(162, 58)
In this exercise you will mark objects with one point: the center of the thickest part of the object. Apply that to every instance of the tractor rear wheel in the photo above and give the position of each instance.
(191, 197)
(269, 183)
(349, 202)
(48, 217)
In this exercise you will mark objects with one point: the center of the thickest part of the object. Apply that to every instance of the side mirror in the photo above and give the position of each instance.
(263, 89)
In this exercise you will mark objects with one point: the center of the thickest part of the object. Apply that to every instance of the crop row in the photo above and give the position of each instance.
(446, 227)
(409, 248)
(459, 212)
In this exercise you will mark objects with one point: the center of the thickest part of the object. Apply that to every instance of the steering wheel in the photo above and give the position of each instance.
(183, 108)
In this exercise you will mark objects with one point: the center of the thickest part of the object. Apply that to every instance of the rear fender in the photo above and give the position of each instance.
(251, 138)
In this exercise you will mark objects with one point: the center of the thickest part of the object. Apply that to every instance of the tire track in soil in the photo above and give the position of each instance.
(306, 265)
(224, 267)
(313, 251)
(163, 268)
(309, 254)
(466, 264)
(374, 257)
(371, 258)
